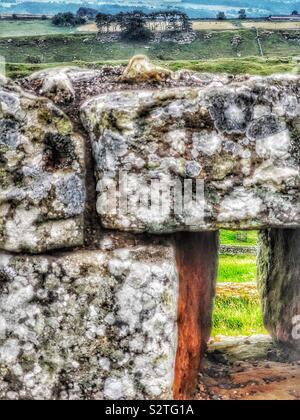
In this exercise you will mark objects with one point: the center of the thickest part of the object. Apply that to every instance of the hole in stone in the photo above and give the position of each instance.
(4, 279)
(59, 151)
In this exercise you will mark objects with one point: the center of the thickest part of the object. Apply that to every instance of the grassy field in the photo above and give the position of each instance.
(250, 65)
(21, 28)
(85, 47)
(276, 44)
(235, 316)
(270, 26)
(237, 268)
(207, 53)
(228, 237)
(237, 313)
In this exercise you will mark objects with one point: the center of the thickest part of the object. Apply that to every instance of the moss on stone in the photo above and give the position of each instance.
(63, 126)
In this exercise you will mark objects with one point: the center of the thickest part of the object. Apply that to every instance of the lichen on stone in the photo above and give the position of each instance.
(38, 155)
(76, 326)
(240, 139)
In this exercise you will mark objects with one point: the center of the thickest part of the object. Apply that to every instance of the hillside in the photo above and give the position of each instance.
(240, 43)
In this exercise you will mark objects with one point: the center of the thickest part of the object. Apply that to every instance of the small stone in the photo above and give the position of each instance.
(193, 169)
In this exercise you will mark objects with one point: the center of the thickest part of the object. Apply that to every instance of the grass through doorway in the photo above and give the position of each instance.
(238, 309)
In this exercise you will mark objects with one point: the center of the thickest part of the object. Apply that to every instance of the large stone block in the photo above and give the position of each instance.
(239, 140)
(279, 284)
(42, 188)
(89, 324)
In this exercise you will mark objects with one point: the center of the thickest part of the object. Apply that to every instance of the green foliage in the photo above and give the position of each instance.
(67, 19)
(237, 268)
(136, 31)
(128, 22)
(33, 59)
(87, 12)
(221, 16)
(242, 14)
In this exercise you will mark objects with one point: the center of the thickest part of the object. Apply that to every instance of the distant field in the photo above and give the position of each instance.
(219, 45)
(201, 25)
(228, 237)
(237, 268)
(207, 25)
(15, 28)
(271, 25)
(89, 27)
(275, 44)
(211, 25)
(22, 28)
(85, 47)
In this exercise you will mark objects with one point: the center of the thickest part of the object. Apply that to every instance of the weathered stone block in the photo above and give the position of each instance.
(279, 284)
(42, 188)
(240, 139)
(89, 324)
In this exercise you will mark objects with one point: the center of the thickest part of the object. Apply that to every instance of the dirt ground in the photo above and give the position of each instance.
(250, 381)
(228, 375)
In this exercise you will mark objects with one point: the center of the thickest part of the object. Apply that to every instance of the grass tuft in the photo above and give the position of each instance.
(236, 316)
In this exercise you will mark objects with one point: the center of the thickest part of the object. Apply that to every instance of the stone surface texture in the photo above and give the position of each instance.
(241, 139)
(125, 313)
(42, 190)
(89, 324)
(279, 284)
(57, 84)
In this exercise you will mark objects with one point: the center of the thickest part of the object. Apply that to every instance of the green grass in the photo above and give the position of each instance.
(237, 316)
(63, 44)
(228, 237)
(20, 39)
(22, 28)
(237, 268)
(242, 315)
(85, 47)
(250, 65)
(215, 54)
(276, 45)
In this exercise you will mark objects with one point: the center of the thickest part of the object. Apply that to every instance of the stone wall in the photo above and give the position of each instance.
(237, 250)
(279, 284)
(100, 303)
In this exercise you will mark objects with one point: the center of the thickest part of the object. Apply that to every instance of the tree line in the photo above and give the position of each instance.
(131, 22)
(68, 19)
